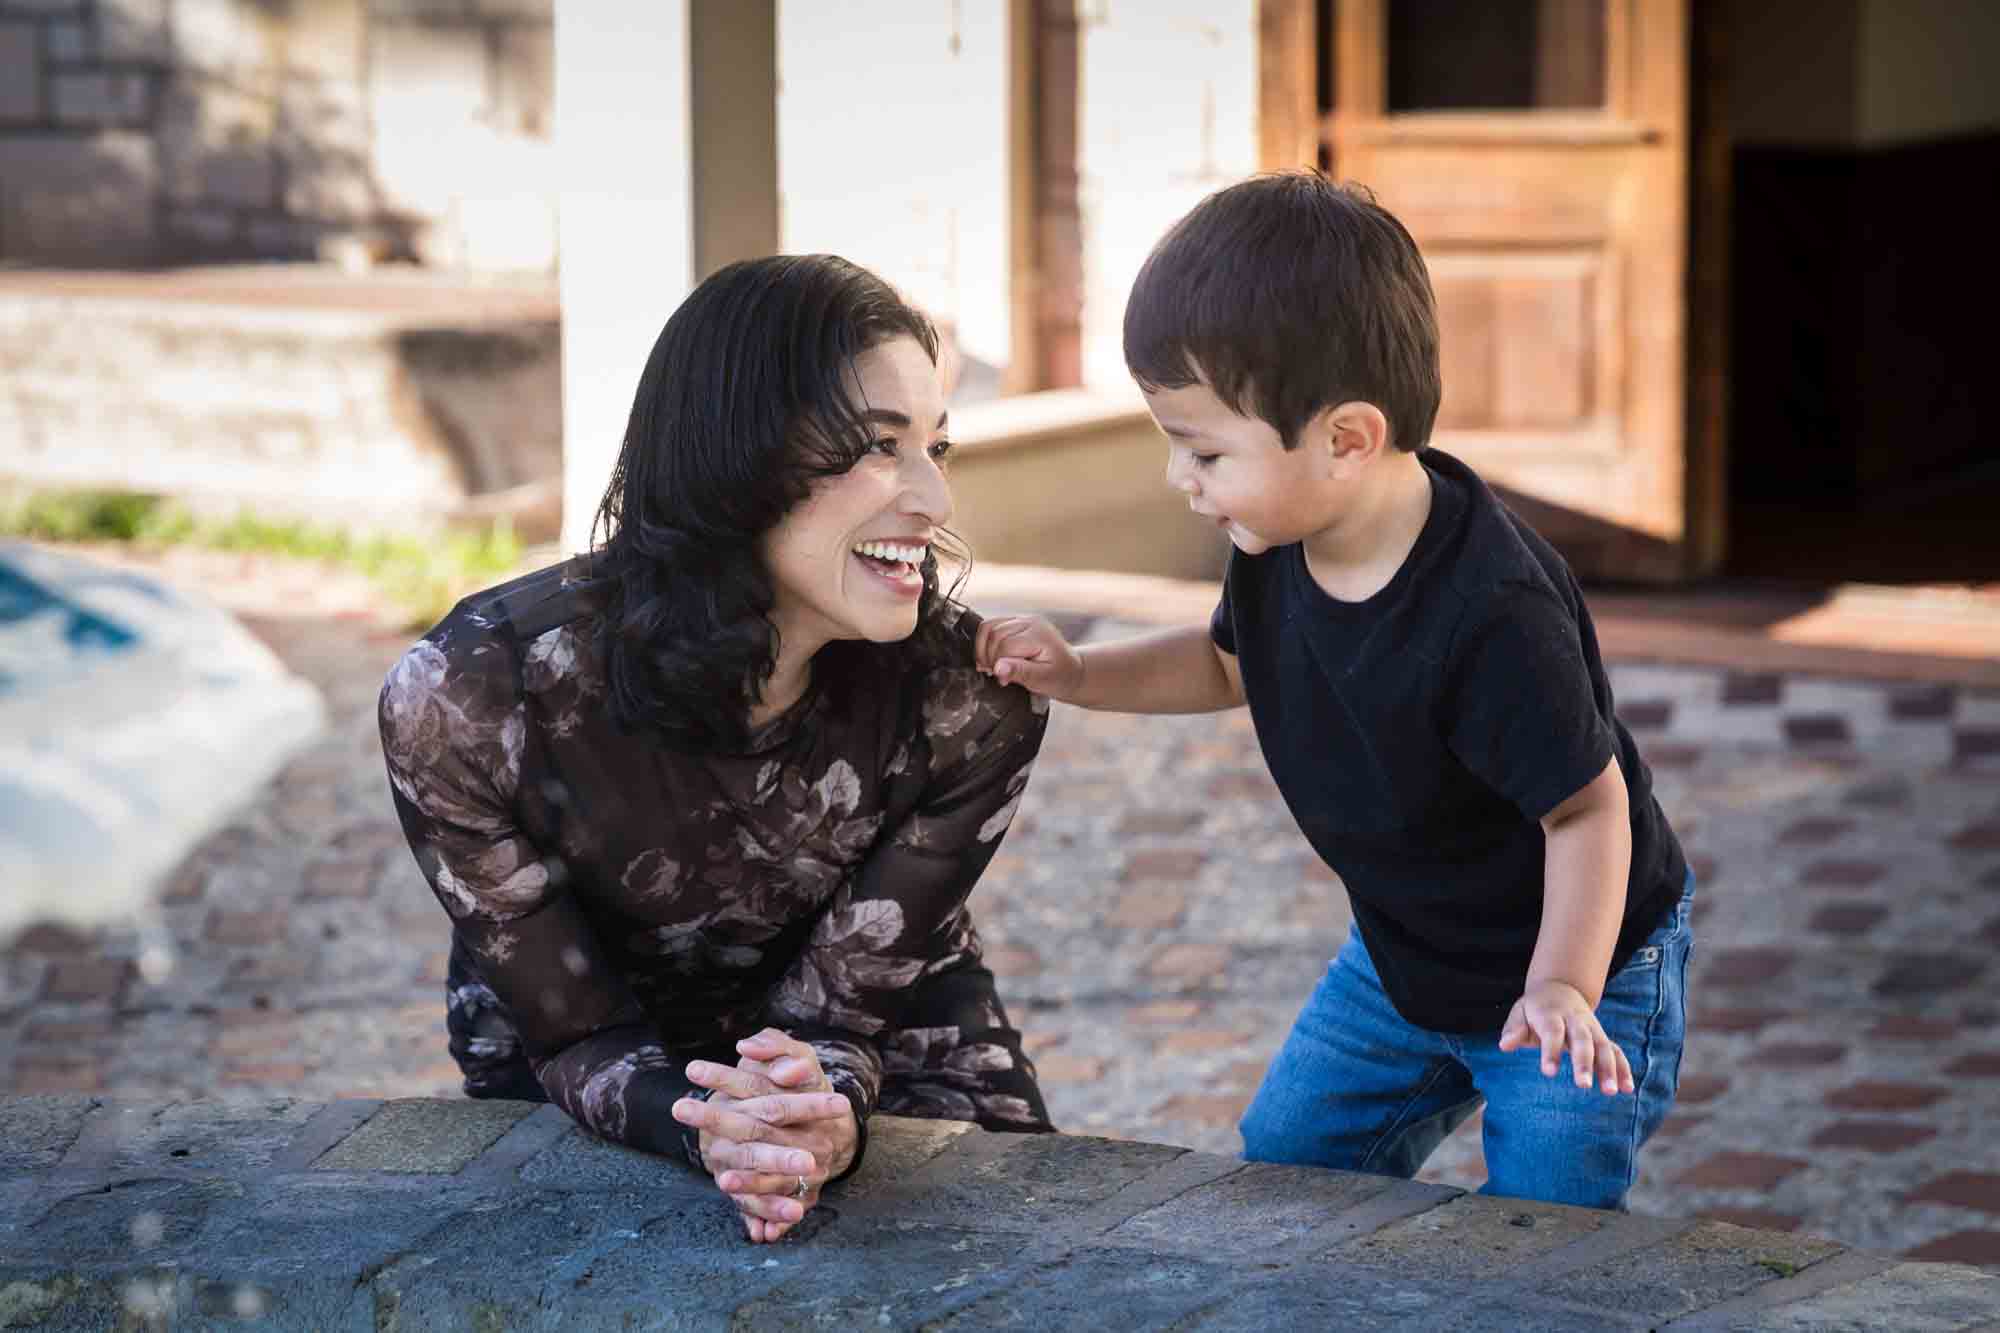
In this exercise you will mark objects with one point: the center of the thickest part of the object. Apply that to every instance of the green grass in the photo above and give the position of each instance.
(422, 576)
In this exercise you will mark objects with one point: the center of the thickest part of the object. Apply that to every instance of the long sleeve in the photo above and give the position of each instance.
(898, 930)
(453, 732)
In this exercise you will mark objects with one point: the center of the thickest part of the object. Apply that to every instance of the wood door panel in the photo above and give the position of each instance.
(1556, 240)
(1522, 338)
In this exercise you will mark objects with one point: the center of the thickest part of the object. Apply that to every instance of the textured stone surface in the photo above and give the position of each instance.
(1713, 1262)
(424, 1136)
(35, 1132)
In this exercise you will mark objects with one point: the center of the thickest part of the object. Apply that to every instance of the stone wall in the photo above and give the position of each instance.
(138, 132)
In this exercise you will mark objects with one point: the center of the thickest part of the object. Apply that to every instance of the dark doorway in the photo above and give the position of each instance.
(1864, 286)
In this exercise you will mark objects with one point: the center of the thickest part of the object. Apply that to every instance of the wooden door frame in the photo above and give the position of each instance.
(1292, 127)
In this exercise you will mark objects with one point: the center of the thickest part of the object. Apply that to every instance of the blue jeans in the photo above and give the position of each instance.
(1358, 1087)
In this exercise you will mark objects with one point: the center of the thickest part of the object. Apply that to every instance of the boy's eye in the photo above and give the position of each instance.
(1203, 460)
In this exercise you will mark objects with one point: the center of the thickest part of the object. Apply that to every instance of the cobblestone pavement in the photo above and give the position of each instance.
(1156, 919)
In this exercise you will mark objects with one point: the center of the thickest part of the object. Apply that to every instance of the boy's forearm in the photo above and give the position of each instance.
(1587, 862)
(1174, 671)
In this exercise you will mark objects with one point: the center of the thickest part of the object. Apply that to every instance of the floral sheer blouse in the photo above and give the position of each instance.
(626, 907)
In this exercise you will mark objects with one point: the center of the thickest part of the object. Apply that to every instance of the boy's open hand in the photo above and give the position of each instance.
(1554, 1016)
(1029, 651)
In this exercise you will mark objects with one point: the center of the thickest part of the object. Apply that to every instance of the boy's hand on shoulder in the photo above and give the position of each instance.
(1554, 1016)
(1029, 651)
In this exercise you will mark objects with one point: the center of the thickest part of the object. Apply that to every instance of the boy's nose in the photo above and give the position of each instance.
(1180, 477)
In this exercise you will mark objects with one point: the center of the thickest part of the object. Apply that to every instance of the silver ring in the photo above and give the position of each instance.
(800, 1192)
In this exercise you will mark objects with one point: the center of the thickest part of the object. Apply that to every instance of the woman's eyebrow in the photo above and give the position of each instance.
(882, 416)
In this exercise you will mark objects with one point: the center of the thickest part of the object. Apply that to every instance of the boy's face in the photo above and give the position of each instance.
(1236, 472)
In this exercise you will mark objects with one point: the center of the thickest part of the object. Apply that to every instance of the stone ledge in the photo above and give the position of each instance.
(421, 1214)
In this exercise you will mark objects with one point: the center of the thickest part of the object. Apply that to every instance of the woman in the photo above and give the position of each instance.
(705, 806)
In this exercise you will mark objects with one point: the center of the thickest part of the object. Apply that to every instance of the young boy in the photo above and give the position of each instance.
(1427, 690)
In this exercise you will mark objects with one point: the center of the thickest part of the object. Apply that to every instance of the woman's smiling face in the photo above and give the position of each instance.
(846, 562)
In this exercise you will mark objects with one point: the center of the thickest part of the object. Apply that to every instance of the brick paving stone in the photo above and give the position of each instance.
(1818, 830)
(1673, 756)
(34, 1078)
(1961, 1247)
(341, 879)
(1962, 1189)
(74, 979)
(1799, 1053)
(1215, 1110)
(1148, 907)
(1889, 794)
(1058, 1068)
(51, 941)
(1698, 1088)
(1013, 960)
(1255, 786)
(241, 928)
(1143, 823)
(1747, 967)
(1164, 863)
(1741, 1170)
(1646, 714)
(1751, 689)
(1974, 746)
(1195, 1041)
(1847, 918)
(1981, 837)
(1873, 1135)
(1979, 1064)
(1190, 963)
(1929, 973)
(1883, 1095)
(1923, 704)
(1816, 729)
(1165, 1011)
(1760, 1219)
(1678, 1123)
(1732, 1018)
(1908, 1027)
(1842, 874)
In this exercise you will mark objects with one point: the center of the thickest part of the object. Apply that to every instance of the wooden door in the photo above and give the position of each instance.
(1538, 152)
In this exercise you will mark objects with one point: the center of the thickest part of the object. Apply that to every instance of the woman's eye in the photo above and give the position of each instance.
(885, 445)
(939, 450)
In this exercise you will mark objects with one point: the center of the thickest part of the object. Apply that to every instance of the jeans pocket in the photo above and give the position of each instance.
(1644, 957)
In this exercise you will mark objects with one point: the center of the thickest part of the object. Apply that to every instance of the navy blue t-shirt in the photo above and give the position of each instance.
(1420, 736)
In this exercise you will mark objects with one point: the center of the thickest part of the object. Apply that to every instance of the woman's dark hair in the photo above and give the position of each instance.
(744, 403)
(1289, 294)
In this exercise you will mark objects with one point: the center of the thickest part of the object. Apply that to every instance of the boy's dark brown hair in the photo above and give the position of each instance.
(1288, 294)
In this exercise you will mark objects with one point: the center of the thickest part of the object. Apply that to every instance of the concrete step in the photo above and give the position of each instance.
(370, 401)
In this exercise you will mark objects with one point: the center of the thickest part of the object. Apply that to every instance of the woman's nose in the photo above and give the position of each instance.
(927, 492)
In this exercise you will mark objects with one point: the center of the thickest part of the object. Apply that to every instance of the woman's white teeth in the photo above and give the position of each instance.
(892, 551)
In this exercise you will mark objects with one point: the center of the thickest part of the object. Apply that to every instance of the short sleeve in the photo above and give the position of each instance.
(1222, 621)
(1520, 711)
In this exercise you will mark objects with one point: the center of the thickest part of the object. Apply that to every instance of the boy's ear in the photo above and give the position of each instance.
(1354, 433)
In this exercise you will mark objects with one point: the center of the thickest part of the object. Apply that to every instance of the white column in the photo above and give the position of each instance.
(625, 219)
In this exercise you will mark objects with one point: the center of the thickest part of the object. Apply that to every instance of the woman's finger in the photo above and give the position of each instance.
(772, 1044)
(771, 1159)
(724, 1122)
(738, 1082)
(794, 1108)
(770, 1207)
(757, 1182)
